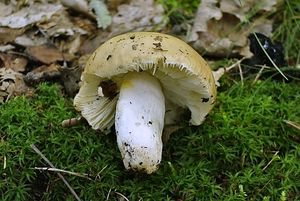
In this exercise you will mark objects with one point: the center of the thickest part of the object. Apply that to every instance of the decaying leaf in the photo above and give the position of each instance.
(47, 54)
(30, 15)
(221, 28)
(79, 6)
(60, 24)
(14, 62)
(43, 73)
(8, 34)
(5, 9)
(102, 13)
(11, 84)
(114, 4)
(138, 15)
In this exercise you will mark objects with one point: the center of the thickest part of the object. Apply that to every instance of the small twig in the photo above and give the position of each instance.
(123, 196)
(220, 71)
(71, 122)
(273, 158)
(259, 74)
(63, 171)
(292, 124)
(60, 175)
(241, 73)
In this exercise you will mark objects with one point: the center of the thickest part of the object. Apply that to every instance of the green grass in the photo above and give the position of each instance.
(287, 29)
(226, 158)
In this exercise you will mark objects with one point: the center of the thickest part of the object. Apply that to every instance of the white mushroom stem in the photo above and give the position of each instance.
(139, 121)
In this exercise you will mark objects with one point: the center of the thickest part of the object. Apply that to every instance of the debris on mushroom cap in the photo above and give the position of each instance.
(185, 77)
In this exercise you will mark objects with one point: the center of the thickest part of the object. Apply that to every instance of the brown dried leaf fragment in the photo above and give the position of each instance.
(43, 73)
(9, 35)
(15, 62)
(47, 54)
(220, 27)
(11, 84)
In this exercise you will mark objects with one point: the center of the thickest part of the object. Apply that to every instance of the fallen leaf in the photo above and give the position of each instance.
(114, 4)
(138, 15)
(11, 84)
(43, 73)
(14, 62)
(79, 6)
(60, 24)
(47, 54)
(9, 35)
(5, 48)
(30, 15)
(220, 27)
(5, 9)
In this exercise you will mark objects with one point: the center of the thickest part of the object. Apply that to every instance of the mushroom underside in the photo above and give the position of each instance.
(139, 128)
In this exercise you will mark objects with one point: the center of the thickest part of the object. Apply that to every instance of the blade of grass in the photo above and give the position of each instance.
(277, 68)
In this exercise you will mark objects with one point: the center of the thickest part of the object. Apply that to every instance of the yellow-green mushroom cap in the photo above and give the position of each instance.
(185, 77)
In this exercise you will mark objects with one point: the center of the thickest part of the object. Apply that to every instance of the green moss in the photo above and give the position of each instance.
(226, 158)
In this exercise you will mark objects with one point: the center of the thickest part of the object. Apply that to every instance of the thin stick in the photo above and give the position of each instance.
(220, 71)
(292, 124)
(241, 73)
(60, 175)
(258, 74)
(273, 158)
(63, 171)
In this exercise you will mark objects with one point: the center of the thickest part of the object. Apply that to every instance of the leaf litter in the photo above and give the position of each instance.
(51, 40)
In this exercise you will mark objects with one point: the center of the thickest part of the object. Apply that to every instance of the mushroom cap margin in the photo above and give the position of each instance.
(160, 54)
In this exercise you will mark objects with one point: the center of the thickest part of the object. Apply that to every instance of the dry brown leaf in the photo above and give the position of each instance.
(219, 28)
(47, 54)
(60, 24)
(138, 15)
(80, 6)
(31, 38)
(14, 62)
(114, 4)
(43, 73)
(11, 84)
(8, 34)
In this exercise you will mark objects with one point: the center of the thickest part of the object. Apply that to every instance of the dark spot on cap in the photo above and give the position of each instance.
(132, 37)
(108, 57)
(134, 47)
(205, 100)
(126, 144)
(130, 102)
(143, 117)
(150, 122)
(158, 38)
(157, 45)
(141, 163)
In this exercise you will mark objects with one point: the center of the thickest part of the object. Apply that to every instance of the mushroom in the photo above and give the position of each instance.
(137, 81)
